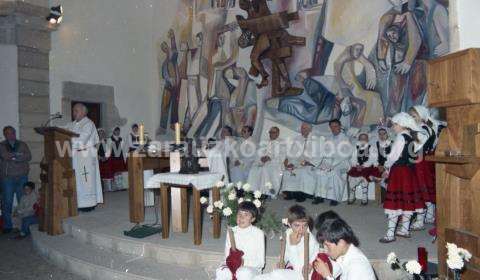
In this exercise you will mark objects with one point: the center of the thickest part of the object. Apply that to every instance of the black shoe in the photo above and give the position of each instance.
(318, 200)
(300, 197)
(333, 203)
(86, 209)
(288, 195)
(7, 231)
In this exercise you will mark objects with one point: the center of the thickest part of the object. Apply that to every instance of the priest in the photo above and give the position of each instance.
(333, 167)
(299, 179)
(85, 160)
(267, 170)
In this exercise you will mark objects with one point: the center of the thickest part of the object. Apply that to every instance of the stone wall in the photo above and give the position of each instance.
(23, 23)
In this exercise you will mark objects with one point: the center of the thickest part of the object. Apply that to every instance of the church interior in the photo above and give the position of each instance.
(240, 139)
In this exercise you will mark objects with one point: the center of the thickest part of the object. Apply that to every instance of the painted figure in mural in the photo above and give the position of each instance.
(266, 32)
(169, 73)
(400, 57)
(437, 31)
(368, 103)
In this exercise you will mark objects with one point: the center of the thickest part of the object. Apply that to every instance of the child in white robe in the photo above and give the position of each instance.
(298, 222)
(250, 240)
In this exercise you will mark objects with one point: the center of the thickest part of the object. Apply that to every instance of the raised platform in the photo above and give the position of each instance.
(94, 246)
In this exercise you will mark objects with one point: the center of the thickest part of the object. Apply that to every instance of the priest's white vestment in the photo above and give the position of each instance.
(85, 163)
(333, 167)
(303, 177)
(269, 173)
(244, 153)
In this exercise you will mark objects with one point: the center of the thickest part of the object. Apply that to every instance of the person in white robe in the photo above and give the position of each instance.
(242, 160)
(299, 178)
(341, 245)
(217, 156)
(85, 159)
(267, 170)
(333, 166)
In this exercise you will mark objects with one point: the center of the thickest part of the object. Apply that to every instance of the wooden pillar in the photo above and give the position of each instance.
(164, 211)
(135, 188)
(216, 215)
(197, 218)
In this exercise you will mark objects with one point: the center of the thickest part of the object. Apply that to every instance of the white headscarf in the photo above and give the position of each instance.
(423, 112)
(405, 120)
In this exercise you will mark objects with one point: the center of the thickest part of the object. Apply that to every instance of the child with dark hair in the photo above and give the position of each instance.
(250, 240)
(340, 243)
(24, 214)
(294, 260)
(326, 216)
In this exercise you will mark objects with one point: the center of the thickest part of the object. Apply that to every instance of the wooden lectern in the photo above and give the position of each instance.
(454, 84)
(58, 195)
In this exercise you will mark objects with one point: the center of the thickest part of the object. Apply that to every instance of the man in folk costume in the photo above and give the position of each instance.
(364, 159)
(267, 171)
(401, 200)
(299, 178)
(85, 160)
(240, 164)
(333, 167)
(425, 170)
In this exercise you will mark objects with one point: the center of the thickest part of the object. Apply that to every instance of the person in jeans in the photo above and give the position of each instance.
(14, 158)
(24, 214)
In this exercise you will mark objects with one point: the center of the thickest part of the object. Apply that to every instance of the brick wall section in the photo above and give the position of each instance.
(23, 23)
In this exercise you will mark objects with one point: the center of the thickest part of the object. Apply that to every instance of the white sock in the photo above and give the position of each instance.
(391, 225)
(419, 221)
(430, 216)
(405, 224)
(365, 192)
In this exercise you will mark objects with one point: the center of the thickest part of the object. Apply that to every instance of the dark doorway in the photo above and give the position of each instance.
(94, 112)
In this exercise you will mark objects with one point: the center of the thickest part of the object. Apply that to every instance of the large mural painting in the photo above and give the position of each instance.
(245, 62)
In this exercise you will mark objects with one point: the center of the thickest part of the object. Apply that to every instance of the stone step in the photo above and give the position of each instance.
(96, 263)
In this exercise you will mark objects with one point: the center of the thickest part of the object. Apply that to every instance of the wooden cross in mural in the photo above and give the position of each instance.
(85, 173)
(266, 32)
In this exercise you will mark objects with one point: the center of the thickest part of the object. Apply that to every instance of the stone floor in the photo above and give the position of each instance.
(19, 261)
(368, 222)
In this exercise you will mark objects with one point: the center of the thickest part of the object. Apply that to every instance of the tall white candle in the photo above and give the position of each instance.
(141, 132)
(177, 133)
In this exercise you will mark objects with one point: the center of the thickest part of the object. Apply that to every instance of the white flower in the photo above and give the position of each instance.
(220, 184)
(285, 221)
(413, 267)
(246, 187)
(218, 204)
(465, 254)
(257, 203)
(268, 185)
(248, 199)
(391, 258)
(227, 212)
(239, 184)
(240, 200)
(210, 209)
(455, 262)
(203, 200)
(257, 194)
(232, 196)
(230, 185)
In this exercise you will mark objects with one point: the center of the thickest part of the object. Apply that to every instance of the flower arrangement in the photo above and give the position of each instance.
(412, 268)
(232, 195)
(456, 258)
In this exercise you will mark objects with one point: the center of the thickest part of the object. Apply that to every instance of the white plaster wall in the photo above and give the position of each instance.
(110, 42)
(8, 87)
(464, 24)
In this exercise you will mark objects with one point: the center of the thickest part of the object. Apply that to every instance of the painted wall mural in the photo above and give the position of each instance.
(326, 59)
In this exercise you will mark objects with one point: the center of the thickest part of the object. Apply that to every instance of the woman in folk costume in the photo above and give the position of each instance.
(292, 259)
(116, 158)
(133, 138)
(425, 170)
(244, 247)
(401, 200)
(384, 147)
(364, 160)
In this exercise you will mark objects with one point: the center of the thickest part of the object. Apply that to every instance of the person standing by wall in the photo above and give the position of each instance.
(14, 158)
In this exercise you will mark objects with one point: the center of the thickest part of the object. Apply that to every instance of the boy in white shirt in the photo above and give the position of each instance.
(250, 240)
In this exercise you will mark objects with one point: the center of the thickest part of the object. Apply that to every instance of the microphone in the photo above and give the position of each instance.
(52, 117)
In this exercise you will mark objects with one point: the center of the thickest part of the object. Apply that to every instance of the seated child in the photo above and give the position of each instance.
(24, 213)
(250, 240)
(292, 269)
